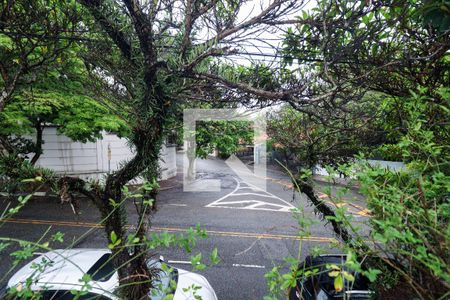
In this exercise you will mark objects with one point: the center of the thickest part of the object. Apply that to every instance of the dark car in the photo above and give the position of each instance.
(320, 286)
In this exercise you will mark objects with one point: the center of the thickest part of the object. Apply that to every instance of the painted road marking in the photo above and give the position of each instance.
(359, 211)
(185, 262)
(249, 266)
(182, 230)
(179, 262)
(355, 209)
(258, 199)
(177, 204)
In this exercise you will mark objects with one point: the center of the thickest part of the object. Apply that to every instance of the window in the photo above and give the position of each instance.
(103, 269)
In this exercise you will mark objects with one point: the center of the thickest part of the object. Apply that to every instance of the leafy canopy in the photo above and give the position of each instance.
(61, 96)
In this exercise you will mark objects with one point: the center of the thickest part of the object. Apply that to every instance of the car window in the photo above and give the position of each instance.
(321, 285)
(103, 269)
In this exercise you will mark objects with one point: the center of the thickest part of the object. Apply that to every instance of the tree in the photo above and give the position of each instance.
(59, 97)
(224, 136)
(33, 36)
(409, 208)
(369, 52)
(152, 55)
(148, 56)
(386, 47)
(393, 49)
(306, 142)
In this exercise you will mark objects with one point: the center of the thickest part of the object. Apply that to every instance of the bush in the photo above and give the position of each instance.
(410, 208)
(406, 250)
(15, 172)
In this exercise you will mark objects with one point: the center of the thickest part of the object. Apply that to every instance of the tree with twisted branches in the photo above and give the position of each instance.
(152, 56)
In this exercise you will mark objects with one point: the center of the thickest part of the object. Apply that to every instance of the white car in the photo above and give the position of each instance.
(61, 270)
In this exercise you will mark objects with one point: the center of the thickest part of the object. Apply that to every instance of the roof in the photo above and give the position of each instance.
(63, 269)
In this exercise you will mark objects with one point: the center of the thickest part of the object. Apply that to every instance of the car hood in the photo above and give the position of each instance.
(187, 284)
(63, 270)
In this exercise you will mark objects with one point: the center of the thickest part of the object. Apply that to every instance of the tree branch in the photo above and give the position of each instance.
(95, 7)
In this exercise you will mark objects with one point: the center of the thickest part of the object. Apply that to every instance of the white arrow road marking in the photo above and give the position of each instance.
(246, 174)
(245, 194)
(255, 200)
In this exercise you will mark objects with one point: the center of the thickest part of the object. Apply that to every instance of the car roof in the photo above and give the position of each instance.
(63, 270)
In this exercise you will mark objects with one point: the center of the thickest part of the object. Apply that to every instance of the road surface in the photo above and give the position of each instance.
(253, 229)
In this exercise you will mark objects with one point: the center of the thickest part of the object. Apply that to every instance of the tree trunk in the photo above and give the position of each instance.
(148, 116)
(191, 168)
(134, 274)
(135, 278)
(38, 144)
(324, 210)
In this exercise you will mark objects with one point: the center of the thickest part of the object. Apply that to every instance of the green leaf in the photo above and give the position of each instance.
(196, 259)
(112, 202)
(113, 237)
(338, 284)
(349, 276)
(214, 257)
(58, 237)
(304, 15)
(114, 241)
(200, 267)
(334, 273)
(372, 274)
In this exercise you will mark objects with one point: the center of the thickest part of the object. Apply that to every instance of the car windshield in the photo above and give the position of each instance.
(321, 285)
(103, 270)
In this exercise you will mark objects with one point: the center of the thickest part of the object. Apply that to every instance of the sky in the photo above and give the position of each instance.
(268, 40)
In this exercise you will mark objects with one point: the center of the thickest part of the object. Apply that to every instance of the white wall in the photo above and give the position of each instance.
(91, 160)
(392, 165)
(168, 162)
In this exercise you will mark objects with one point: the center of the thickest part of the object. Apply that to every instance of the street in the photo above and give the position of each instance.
(253, 230)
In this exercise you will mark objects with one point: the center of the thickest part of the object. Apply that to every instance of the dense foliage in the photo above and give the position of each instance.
(397, 51)
(304, 142)
(33, 37)
(144, 57)
(56, 100)
(224, 136)
(410, 208)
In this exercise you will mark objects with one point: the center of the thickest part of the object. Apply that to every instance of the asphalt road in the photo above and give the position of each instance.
(252, 229)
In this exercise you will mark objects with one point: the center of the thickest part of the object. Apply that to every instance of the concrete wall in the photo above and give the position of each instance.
(392, 165)
(168, 162)
(92, 160)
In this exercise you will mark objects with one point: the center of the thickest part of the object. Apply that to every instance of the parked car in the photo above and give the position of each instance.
(64, 269)
(321, 285)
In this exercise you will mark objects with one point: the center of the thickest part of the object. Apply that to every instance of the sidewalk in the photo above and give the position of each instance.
(171, 183)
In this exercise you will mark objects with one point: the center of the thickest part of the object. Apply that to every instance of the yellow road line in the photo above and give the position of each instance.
(362, 211)
(181, 230)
